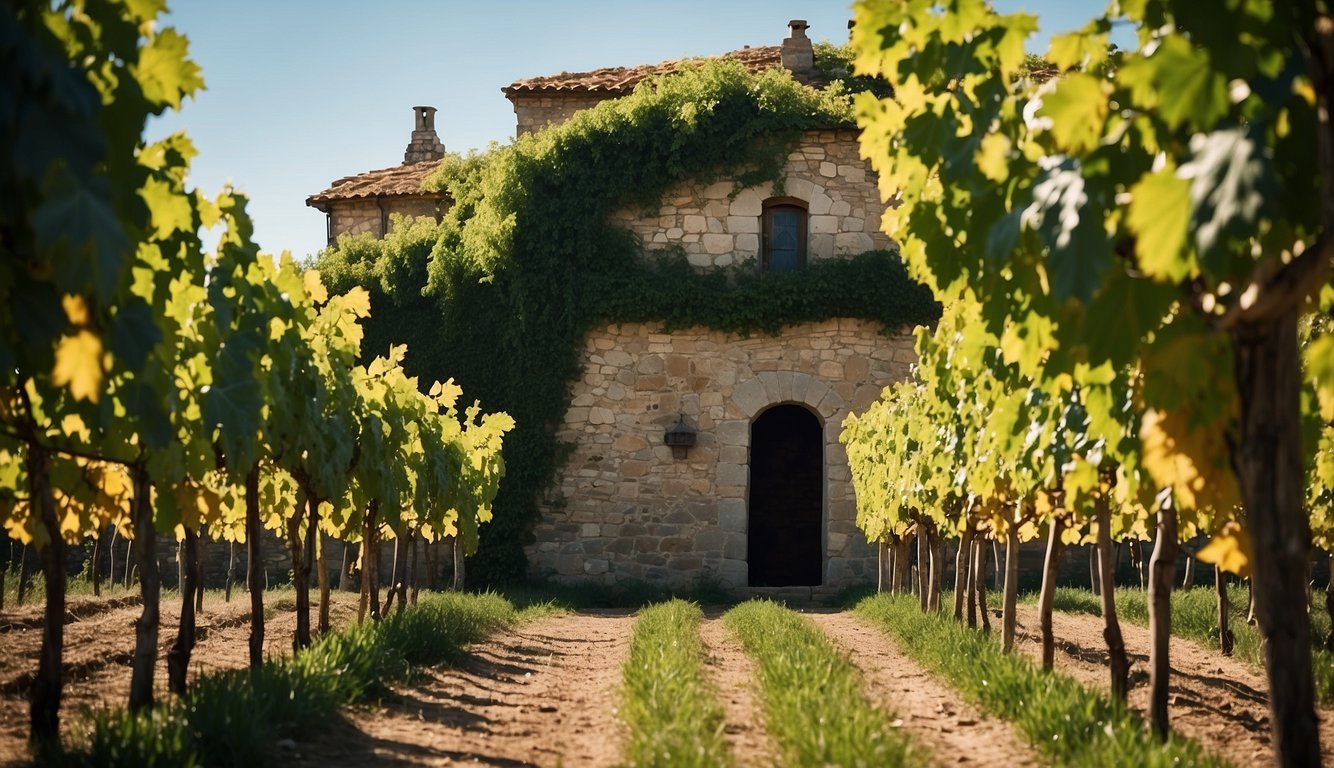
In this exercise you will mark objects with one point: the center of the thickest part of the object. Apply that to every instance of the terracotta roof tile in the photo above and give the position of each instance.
(624, 79)
(401, 180)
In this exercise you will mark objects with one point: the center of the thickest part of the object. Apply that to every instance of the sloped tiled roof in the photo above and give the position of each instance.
(401, 180)
(624, 79)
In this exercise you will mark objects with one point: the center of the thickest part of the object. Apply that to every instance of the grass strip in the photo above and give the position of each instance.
(814, 707)
(1066, 722)
(234, 718)
(1195, 617)
(674, 718)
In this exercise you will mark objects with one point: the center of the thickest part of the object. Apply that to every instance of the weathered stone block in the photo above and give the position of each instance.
(732, 515)
(718, 243)
(709, 539)
(739, 225)
(823, 225)
(731, 475)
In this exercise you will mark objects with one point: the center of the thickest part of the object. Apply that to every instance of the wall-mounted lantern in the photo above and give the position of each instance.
(680, 436)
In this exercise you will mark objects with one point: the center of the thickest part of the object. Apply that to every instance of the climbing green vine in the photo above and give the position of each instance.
(500, 294)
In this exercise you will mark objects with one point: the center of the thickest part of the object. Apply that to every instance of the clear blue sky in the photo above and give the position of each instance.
(302, 93)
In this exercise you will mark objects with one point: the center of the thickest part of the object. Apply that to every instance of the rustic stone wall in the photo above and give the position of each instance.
(717, 228)
(630, 511)
(535, 111)
(368, 215)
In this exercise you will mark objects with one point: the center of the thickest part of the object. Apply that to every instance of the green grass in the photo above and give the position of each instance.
(1067, 723)
(233, 718)
(1195, 617)
(673, 716)
(814, 706)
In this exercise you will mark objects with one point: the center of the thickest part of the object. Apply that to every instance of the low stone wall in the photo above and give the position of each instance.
(630, 511)
(717, 228)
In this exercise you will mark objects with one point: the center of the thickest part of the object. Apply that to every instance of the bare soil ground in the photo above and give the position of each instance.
(546, 693)
(99, 644)
(733, 676)
(1216, 700)
(956, 732)
(542, 694)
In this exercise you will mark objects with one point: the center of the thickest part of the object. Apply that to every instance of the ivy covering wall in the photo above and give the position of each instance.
(501, 293)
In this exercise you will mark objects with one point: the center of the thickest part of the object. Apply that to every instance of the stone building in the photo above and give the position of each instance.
(362, 204)
(762, 499)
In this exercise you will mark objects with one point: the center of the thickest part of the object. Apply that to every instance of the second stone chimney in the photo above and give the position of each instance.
(425, 144)
(797, 54)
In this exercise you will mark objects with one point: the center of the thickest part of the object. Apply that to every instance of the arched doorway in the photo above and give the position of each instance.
(784, 541)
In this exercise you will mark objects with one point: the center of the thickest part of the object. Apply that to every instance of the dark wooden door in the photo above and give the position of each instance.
(784, 541)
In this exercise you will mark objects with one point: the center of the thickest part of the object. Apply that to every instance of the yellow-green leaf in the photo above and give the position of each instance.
(1077, 108)
(170, 210)
(1159, 215)
(165, 72)
(1229, 549)
(315, 286)
(79, 365)
(993, 156)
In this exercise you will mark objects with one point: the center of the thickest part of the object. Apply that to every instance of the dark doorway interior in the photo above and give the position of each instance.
(786, 497)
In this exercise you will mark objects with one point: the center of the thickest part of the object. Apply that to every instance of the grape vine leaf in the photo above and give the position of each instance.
(1229, 549)
(79, 365)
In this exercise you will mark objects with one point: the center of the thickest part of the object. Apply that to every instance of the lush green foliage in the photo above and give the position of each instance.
(673, 716)
(1066, 722)
(233, 718)
(1147, 221)
(145, 378)
(814, 707)
(526, 262)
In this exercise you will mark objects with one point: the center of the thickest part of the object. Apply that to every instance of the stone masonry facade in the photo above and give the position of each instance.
(717, 228)
(360, 217)
(630, 511)
(536, 111)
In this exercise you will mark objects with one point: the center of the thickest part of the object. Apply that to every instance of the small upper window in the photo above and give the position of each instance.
(784, 235)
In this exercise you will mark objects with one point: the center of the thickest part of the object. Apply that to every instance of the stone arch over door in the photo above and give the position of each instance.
(749, 399)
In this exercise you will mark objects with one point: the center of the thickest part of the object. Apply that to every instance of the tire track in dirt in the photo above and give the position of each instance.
(955, 731)
(1218, 701)
(543, 694)
(733, 675)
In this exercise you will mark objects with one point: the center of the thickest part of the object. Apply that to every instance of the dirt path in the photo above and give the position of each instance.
(733, 673)
(99, 647)
(956, 732)
(544, 694)
(1216, 700)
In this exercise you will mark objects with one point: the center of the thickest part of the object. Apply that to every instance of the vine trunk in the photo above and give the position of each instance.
(1118, 664)
(150, 587)
(1010, 602)
(178, 658)
(1048, 596)
(48, 686)
(1162, 577)
(1269, 464)
(254, 567)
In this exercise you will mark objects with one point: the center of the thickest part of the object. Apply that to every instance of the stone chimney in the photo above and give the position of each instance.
(425, 144)
(797, 54)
